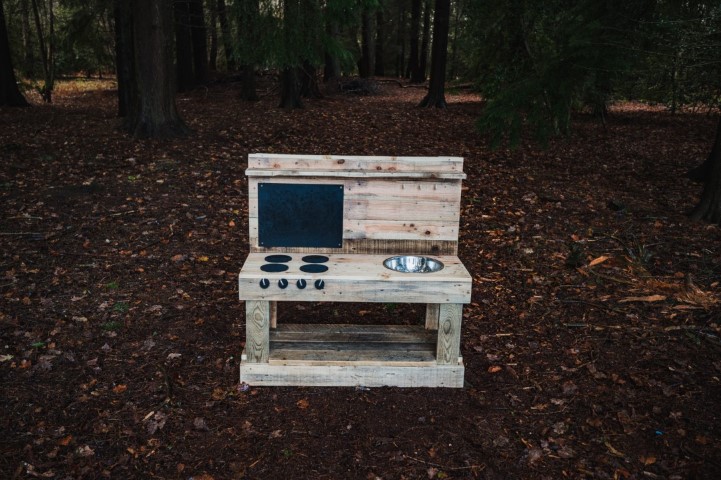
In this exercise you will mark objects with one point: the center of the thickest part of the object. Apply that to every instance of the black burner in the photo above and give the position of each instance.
(278, 259)
(313, 268)
(315, 259)
(274, 267)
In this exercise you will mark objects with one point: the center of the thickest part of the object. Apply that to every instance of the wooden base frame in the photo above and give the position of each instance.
(353, 355)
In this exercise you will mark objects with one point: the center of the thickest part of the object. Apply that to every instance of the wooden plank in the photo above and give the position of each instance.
(273, 315)
(388, 229)
(377, 334)
(425, 358)
(355, 174)
(449, 334)
(256, 374)
(433, 311)
(371, 246)
(285, 162)
(257, 343)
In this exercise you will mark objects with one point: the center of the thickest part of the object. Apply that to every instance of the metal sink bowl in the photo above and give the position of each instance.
(412, 264)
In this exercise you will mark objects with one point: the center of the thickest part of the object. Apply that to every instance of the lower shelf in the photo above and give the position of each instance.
(352, 355)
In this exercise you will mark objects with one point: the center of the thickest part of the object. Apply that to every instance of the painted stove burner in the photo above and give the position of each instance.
(279, 258)
(274, 267)
(313, 268)
(315, 259)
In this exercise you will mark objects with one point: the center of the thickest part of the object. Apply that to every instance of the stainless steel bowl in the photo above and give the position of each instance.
(412, 264)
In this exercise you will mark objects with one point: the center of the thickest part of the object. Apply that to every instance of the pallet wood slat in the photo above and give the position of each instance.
(353, 375)
(257, 318)
(449, 338)
(370, 246)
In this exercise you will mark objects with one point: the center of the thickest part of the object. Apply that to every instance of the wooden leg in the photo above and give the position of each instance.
(257, 341)
(432, 312)
(449, 334)
(273, 314)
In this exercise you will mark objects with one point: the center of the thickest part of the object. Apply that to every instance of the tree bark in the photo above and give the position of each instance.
(379, 69)
(413, 59)
(213, 25)
(9, 92)
(709, 207)
(425, 41)
(29, 57)
(331, 71)
(156, 116)
(183, 46)
(47, 91)
(366, 60)
(436, 90)
(200, 41)
(225, 34)
(401, 42)
(309, 81)
(289, 89)
(124, 59)
(247, 21)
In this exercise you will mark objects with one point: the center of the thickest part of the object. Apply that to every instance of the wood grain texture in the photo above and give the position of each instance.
(431, 375)
(449, 334)
(349, 163)
(273, 314)
(257, 343)
(371, 247)
(432, 312)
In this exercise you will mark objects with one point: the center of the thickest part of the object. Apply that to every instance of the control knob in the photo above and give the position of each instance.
(264, 283)
(300, 284)
(319, 284)
(282, 283)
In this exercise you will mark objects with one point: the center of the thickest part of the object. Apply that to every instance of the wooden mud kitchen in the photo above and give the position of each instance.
(353, 229)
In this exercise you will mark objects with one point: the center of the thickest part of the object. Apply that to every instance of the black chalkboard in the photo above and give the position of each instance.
(300, 215)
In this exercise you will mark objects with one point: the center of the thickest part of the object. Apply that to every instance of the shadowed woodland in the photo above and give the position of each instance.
(589, 223)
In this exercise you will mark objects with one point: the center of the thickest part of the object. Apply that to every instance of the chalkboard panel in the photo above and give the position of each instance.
(292, 215)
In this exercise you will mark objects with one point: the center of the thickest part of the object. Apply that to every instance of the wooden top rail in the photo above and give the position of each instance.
(273, 165)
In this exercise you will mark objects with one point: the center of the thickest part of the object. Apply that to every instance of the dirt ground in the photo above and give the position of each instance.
(592, 345)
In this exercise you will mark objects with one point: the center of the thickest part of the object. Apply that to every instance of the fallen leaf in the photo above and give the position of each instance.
(650, 460)
(303, 403)
(650, 298)
(494, 369)
(65, 441)
(202, 258)
(598, 260)
(120, 388)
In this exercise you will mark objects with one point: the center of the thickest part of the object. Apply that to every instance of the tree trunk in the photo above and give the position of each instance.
(436, 90)
(225, 33)
(183, 46)
(47, 91)
(156, 116)
(366, 60)
(423, 62)
(247, 25)
(9, 92)
(331, 71)
(309, 81)
(401, 42)
(124, 59)
(413, 59)
(289, 89)
(213, 59)
(379, 69)
(200, 41)
(29, 57)
(709, 208)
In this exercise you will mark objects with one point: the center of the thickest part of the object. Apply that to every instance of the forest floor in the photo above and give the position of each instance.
(592, 345)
